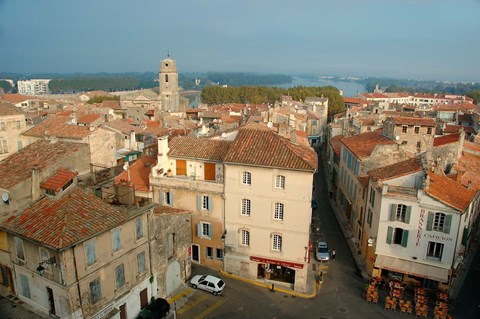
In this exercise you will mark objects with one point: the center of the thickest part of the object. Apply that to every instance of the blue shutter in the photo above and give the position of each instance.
(210, 231)
(430, 221)
(199, 230)
(393, 211)
(210, 203)
(389, 235)
(405, 238)
(447, 224)
(199, 202)
(407, 214)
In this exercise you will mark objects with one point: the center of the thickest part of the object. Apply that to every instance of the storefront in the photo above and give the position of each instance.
(277, 270)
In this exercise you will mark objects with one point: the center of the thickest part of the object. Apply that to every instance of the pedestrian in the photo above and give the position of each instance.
(333, 254)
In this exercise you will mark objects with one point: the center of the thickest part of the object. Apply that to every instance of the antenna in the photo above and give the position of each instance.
(168, 53)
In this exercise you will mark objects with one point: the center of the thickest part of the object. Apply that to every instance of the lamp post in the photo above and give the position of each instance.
(41, 269)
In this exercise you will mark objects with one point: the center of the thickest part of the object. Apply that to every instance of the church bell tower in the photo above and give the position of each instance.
(169, 85)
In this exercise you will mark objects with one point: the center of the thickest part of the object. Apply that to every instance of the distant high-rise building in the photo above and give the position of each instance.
(169, 86)
(33, 87)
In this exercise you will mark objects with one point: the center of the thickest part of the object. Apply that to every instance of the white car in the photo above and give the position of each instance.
(322, 253)
(208, 283)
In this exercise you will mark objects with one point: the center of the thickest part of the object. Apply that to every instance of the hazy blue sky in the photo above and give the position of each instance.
(420, 39)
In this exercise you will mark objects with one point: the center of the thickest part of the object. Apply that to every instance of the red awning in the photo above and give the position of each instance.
(277, 262)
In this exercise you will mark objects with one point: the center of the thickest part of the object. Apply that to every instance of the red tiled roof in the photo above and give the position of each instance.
(419, 121)
(198, 148)
(452, 128)
(363, 181)
(112, 104)
(446, 139)
(351, 100)
(124, 126)
(58, 180)
(260, 146)
(7, 109)
(160, 210)
(62, 222)
(399, 169)
(17, 98)
(88, 118)
(362, 145)
(456, 107)
(139, 173)
(336, 143)
(18, 166)
(58, 126)
(457, 195)
(150, 112)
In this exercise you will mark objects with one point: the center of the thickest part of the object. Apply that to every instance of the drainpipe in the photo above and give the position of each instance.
(78, 282)
(150, 254)
(224, 222)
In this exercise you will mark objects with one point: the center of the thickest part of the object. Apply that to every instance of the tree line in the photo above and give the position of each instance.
(269, 95)
(83, 84)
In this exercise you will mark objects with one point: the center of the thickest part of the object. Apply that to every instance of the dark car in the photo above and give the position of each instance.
(159, 308)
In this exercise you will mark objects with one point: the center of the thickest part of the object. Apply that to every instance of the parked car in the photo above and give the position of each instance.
(159, 308)
(208, 283)
(322, 253)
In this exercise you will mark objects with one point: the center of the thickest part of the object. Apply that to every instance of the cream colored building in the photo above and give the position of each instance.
(12, 124)
(94, 266)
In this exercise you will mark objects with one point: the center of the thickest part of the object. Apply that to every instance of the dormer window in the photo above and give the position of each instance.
(58, 182)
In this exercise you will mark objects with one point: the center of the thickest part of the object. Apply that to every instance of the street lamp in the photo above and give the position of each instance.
(41, 269)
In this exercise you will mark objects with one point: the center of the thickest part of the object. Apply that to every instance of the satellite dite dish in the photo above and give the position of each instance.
(5, 197)
(125, 166)
(397, 138)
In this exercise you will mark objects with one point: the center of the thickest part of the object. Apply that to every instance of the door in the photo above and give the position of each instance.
(195, 253)
(173, 280)
(143, 298)
(209, 171)
(51, 301)
(123, 312)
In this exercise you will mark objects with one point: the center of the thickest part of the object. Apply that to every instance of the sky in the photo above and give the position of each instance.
(414, 39)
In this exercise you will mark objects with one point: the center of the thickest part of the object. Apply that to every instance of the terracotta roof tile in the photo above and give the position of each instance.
(363, 181)
(362, 145)
(139, 173)
(88, 118)
(446, 139)
(258, 145)
(160, 210)
(17, 98)
(336, 143)
(58, 180)
(199, 148)
(61, 222)
(399, 169)
(7, 109)
(18, 166)
(403, 120)
(58, 126)
(124, 126)
(457, 195)
(456, 107)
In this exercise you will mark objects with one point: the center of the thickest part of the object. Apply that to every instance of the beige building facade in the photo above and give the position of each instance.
(12, 124)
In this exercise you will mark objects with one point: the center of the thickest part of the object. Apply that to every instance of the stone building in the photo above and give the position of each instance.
(12, 124)
(169, 89)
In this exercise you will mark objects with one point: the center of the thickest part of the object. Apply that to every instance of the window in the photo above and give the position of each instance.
(219, 253)
(416, 129)
(25, 286)
(3, 147)
(404, 129)
(245, 237)
(166, 198)
(372, 196)
(247, 178)
(277, 242)
(141, 263)
(419, 145)
(434, 250)
(116, 241)
(209, 253)
(278, 214)
(204, 230)
(171, 244)
(44, 255)
(246, 207)
(400, 213)
(18, 124)
(138, 228)
(95, 291)
(439, 222)
(369, 218)
(280, 182)
(166, 78)
(397, 236)
(429, 130)
(91, 252)
(204, 202)
(119, 276)
(2, 126)
(19, 249)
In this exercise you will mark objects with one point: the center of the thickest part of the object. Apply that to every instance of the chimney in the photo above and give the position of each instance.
(35, 183)
(469, 184)
(293, 137)
(133, 143)
(162, 159)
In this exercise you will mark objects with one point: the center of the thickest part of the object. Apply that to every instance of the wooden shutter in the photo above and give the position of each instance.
(199, 230)
(393, 211)
(389, 235)
(170, 192)
(465, 236)
(447, 224)
(430, 220)
(160, 197)
(405, 238)
(407, 214)
(199, 202)
(209, 171)
(181, 167)
(143, 298)
(210, 230)
(210, 203)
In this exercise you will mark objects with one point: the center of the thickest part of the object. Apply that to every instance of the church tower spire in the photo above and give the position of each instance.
(169, 85)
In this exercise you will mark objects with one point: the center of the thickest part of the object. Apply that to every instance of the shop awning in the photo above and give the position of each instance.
(412, 268)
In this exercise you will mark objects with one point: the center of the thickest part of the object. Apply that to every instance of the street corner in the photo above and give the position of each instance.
(180, 296)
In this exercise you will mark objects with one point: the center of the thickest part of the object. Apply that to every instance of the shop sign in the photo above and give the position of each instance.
(276, 262)
(420, 226)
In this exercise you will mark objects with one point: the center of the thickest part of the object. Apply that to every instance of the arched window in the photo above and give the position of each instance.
(278, 212)
(246, 207)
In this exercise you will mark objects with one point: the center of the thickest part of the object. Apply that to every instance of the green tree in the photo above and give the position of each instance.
(6, 86)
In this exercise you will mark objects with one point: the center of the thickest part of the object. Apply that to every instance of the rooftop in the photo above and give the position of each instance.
(203, 148)
(362, 145)
(58, 180)
(399, 169)
(457, 195)
(58, 126)
(139, 173)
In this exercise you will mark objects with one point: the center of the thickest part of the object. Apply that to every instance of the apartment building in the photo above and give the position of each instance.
(33, 87)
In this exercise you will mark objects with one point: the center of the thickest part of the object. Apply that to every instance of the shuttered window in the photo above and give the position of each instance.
(119, 276)
(400, 212)
(95, 291)
(141, 263)
(204, 202)
(181, 167)
(91, 252)
(439, 222)
(116, 240)
(138, 228)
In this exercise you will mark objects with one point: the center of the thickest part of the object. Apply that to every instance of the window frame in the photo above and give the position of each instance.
(439, 221)
(246, 208)
(280, 182)
(434, 251)
(139, 232)
(279, 211)
(277, 242)
(121, 284)
(139, 269)
(246, 178)
(245, 237)
(118, 231)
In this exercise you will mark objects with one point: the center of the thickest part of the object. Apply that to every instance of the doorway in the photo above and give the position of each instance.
(51, 301)
(173, 279)
(195, 253)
